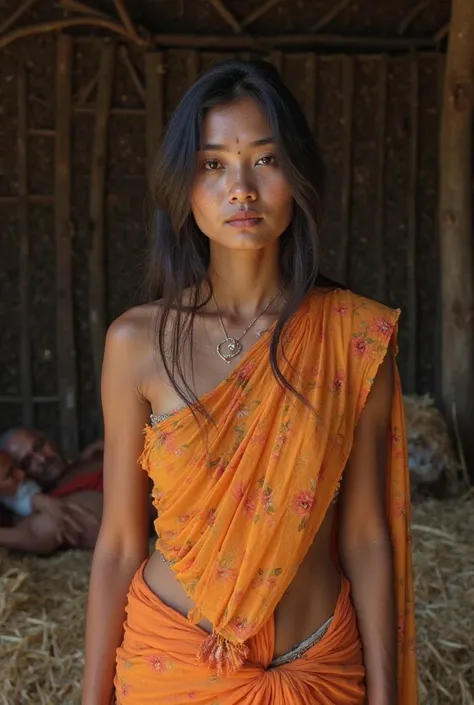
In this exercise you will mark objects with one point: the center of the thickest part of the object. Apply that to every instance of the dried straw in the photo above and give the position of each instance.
(444, 585)
(43, 601)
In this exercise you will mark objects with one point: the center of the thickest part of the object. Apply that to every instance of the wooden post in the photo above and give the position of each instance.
(277, 59)
(154, 101)
(66, 350)
(193, 66)
(310, 102)
(97, 295)
(348, 102)
(380, 194)
(25, 342)
(412, 316)
(455, 214)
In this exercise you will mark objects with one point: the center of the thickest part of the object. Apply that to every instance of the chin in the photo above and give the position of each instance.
(246, 241)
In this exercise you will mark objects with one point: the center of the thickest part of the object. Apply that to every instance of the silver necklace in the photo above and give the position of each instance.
(229, 348)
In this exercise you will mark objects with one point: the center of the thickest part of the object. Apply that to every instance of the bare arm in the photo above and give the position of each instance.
(36, 534)
(123, 539)
(365, 543)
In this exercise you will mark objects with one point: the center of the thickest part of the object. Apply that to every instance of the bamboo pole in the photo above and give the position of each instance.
(281, 41)
(259, 12)
(10, 399)
(331, 15)
(215, 41)
(43, 198)
(310, 98)
(97, 294)
(193, 64)
(66, 349)
(455, 218)
(25, 313)
(132, 71)
(226, 15)
(16, 15)
(348, 102)
(277, 59)
(380, 194)
(59, 25)
(154, 101)
(412, 313)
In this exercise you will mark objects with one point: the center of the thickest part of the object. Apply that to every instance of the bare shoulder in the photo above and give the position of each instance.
(129, 346)
(134, 329)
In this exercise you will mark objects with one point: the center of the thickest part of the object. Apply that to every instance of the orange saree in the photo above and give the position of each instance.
(240, 505)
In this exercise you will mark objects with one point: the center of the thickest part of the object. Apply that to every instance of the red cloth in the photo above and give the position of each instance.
(81, 483)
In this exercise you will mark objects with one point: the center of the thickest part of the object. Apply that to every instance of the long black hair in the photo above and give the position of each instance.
(180, 254)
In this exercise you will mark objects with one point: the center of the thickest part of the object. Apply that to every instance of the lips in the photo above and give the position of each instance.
(245, 219)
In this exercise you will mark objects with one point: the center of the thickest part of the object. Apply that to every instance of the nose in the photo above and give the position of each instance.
(242, 190)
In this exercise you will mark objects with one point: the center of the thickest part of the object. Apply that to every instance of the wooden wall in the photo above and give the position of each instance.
(80, 121)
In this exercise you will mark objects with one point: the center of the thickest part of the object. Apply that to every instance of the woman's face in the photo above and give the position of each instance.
(240, 197)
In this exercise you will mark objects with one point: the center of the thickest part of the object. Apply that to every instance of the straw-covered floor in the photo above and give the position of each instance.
(42, 611)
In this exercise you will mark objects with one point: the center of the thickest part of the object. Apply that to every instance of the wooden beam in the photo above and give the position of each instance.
(441, 33)
(281, 41)
(412, 15)
(411, 312)
(226, 15)
(259, 12)
(16, 15)
(66, 349)
(213, 41)
(91, 109)
(194, 66)
(84, 93)
(97, 293)
(125, 18)
(310, 99)
(43, 198)
(154, 101)
(26, 381)
(455, 214)
(132, 71)
(41, 132)
(60, 25)
(346, 190)
(379, 254)
(9, 399)
(82, 8)
(277, 59)
(331, 15)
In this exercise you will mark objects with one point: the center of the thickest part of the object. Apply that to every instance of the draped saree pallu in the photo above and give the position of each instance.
(239, 506)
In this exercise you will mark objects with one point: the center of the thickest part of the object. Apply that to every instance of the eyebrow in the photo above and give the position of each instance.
(222, 147)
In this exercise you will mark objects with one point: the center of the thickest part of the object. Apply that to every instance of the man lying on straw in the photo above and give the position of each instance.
(55, 504)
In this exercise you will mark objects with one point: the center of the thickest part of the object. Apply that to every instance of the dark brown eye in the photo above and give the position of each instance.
(212, 165)
(267, 160)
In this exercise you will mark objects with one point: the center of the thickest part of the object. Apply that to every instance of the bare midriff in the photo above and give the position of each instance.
(308, 602)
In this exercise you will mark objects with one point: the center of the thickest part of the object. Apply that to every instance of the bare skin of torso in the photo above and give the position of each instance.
(312, 596)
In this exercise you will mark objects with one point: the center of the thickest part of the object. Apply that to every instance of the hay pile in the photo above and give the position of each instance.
(42, 610)
(444, 586)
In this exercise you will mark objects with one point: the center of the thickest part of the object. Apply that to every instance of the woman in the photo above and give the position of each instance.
(280, 483)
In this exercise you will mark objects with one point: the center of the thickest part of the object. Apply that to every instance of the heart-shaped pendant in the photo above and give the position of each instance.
(229, 349)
